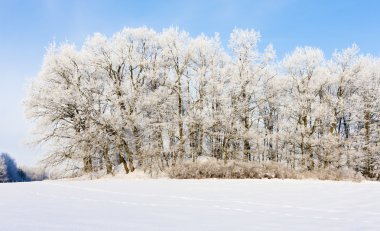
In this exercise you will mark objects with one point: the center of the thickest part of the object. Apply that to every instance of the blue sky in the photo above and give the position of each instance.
(28, 26)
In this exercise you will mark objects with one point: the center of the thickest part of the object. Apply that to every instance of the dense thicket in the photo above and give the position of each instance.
(146, 99)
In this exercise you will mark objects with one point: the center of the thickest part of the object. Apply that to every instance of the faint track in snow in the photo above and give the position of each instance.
(264, 208)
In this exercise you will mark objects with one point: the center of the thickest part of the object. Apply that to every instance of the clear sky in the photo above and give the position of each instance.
(28, 26)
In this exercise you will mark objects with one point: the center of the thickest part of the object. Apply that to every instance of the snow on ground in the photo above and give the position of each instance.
(164, 204)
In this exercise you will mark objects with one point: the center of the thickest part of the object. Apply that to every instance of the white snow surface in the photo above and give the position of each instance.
(166, 204)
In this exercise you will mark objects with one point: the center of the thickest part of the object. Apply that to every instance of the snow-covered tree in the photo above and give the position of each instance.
(3, 171)
(305, 69)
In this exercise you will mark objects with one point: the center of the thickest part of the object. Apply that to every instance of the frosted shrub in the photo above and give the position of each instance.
(250, 170)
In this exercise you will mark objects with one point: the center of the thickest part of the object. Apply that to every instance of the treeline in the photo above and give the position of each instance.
(10, 172)
(151, 99)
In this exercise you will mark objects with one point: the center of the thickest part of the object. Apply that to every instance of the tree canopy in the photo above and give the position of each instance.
(148, 99)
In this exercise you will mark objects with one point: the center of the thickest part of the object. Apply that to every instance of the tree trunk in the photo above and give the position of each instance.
(180, 126)
(138, 146)
(200, 142)
(107, 161)
(247, 150)
(225, 147)
(122, 159)
(129, 155)
(87, 163)
(368, 159)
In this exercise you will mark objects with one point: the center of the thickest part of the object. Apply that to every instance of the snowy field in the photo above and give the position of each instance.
(163, 204)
